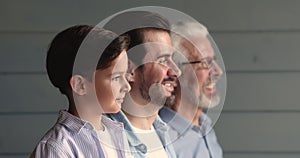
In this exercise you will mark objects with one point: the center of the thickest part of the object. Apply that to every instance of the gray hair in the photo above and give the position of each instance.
(186, 30)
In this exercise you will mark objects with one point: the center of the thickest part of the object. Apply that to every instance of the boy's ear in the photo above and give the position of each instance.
(79, 84)
(131, 71)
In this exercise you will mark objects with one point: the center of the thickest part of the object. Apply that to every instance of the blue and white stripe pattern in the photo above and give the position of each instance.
(73, 137)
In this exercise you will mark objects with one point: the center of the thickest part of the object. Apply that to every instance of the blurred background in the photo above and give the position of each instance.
(259, 41)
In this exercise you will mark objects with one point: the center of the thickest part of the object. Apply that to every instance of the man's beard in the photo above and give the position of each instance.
(194, 97)
(153, 93)
(171, 101)
(209, 102)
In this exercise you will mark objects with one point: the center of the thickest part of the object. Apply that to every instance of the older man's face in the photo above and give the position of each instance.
(201, 57)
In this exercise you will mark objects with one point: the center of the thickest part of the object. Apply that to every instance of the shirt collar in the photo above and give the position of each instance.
(72, 122)
(114, 125)
(132, 138)
(179, 123)
(160, 125)
(76, 124)
(205, 123)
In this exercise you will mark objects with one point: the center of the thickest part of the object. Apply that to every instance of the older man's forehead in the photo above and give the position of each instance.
(198, 47)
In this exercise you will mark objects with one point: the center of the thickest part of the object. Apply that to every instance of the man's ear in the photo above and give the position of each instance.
(78, 84)
(131, 71)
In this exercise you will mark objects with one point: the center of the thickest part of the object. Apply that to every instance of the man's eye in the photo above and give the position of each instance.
(163, 61)
(128, 76)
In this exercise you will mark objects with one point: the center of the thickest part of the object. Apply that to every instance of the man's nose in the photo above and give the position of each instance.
(174, 70)
(216, 70)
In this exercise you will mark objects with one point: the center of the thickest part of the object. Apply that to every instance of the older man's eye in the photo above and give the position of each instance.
(209, 62)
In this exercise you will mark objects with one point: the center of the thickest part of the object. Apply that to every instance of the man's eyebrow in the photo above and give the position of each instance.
(164, 55)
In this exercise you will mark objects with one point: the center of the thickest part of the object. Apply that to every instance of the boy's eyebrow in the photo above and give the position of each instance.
(119, 72)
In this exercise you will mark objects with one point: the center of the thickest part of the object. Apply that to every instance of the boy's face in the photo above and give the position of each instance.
(111, 84)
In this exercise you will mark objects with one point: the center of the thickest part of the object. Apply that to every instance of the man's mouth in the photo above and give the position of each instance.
(169, 87)
(210, 87)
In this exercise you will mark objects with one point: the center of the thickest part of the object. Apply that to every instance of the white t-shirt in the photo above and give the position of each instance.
(107, 143)
(151, 140)
(108, 146)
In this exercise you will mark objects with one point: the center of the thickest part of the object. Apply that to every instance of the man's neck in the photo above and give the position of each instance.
(197, 116)
(144, 123)
(140, 115)
(190, 112)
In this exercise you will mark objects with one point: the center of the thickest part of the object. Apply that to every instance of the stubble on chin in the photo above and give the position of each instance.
(209, 102)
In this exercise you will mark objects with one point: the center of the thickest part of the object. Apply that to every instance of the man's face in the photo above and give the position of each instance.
(155, 80)
(207, 71)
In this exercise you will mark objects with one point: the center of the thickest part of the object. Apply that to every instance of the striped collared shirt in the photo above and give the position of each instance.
(74, 137)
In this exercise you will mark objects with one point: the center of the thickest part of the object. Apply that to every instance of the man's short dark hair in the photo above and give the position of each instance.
(63, 50)
(135, 24)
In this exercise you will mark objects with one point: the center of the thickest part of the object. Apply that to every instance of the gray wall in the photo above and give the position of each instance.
(258, 39)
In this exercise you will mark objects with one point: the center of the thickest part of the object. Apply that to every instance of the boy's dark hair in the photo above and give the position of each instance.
(64, 48)
(135, 24)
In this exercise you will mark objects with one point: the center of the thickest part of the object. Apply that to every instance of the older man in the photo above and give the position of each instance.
(191, 129)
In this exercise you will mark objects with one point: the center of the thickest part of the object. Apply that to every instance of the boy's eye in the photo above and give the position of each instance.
(115, 78)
